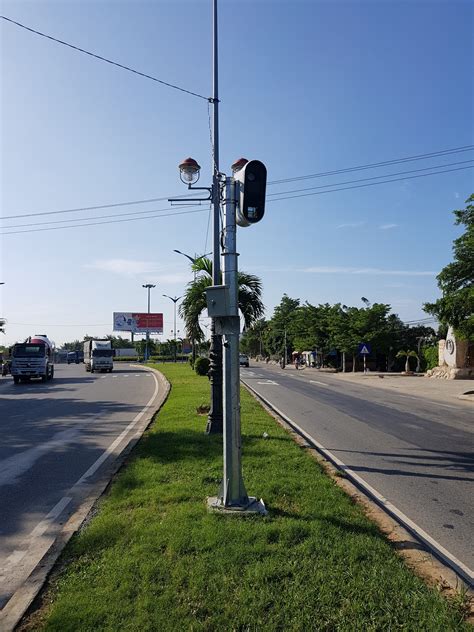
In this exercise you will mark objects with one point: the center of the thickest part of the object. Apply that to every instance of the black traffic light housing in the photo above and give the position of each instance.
(251, 183)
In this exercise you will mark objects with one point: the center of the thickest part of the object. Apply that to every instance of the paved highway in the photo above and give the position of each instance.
(416, 453)
(58, 438)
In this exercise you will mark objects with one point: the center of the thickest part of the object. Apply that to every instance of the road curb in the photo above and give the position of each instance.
(21, 601)
(461, 572)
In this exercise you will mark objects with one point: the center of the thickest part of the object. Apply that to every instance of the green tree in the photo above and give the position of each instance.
(456, 280)
(194, 301)
(281, 327)
(75, 345)
(407, 355)
(252, 341)
(2, 326)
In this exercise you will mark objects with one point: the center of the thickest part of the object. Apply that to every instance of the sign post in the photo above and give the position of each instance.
(364, 350)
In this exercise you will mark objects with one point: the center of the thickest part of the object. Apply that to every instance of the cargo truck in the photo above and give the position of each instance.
(32, 359)
(98, 355)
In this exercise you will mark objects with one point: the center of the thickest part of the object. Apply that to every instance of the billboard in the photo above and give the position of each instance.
(138, 323)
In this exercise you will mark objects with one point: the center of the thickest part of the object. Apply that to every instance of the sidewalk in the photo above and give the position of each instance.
(443, 391)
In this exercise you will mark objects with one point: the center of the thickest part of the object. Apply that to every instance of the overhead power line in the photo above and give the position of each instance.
(96, 207)
(277, 199)
(115, 215)
(373, 165)
(386, 175)
(108, 61)
(369, 184)
(316, 175)
(62, 325)
(112, 221)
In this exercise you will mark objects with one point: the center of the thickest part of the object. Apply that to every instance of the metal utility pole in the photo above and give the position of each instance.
(175, 300)
(233, 492)
(148, 286)
(215, 418)
(233, 497)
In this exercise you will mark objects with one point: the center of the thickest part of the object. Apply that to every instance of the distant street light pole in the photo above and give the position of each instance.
(148, 286)
(175, 300)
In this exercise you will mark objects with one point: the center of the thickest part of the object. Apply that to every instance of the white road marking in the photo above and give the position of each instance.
(452, 561)
(268, 382)
(14, 466)
(51, 517)
(15, 558)
(21, 562)
(95, 466)
(316, 382)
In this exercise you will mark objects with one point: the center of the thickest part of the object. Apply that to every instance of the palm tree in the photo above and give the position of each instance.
(408, 355)
(194, 302)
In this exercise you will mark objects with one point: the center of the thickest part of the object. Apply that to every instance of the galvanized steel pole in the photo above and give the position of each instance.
(215, 419)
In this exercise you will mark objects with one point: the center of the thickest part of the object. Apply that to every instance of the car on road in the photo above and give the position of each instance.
(243, 360)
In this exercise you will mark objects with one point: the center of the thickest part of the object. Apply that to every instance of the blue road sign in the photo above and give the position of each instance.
(364, 349)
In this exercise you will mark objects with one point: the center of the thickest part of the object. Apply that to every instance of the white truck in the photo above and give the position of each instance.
(33, 358)
(98, 355)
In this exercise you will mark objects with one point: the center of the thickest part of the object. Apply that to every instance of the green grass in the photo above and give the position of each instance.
(154, 559)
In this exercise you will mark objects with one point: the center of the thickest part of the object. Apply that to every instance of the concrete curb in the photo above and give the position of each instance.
(22, 599)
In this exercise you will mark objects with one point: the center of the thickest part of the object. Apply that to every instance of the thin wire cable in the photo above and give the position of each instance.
(386, 175)
(374, 165)
(369, 184)
(56, 325)
(287, 197)
(109, 61)
(97, 207)
(116, 221)
(161, 199)
(78, 219)
(207, 230)
(211, 139)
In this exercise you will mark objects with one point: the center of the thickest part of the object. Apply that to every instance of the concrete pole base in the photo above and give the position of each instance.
(253, 507)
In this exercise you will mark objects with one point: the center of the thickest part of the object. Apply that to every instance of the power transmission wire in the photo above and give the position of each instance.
(207, 229)
(97, 207)
(62, 325)
(287, 197)
(108, 61)
(369, 184)
(387, 175)
(78, 219)
(317, 175)
(112, 221)
(374, 165)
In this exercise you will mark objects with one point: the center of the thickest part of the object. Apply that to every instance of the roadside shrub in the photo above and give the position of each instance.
(201, 366)
(430, 355)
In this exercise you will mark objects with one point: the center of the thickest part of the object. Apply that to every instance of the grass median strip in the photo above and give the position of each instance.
(153, 558)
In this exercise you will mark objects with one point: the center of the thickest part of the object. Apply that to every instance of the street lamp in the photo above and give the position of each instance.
(193, 259)
(175, 300)
(148, 286)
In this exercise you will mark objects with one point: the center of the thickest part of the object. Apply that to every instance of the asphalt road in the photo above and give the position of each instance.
(416, 453)
(56, 439)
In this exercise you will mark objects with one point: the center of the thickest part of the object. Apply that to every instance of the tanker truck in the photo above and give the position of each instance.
(32, 359)
(98, 355)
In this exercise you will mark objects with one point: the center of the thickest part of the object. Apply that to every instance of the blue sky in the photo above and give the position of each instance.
(305, 87)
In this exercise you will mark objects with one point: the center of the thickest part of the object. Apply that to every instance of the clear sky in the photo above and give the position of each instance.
(306, 87)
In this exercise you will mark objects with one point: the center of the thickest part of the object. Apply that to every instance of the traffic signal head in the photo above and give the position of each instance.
(251, 182)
